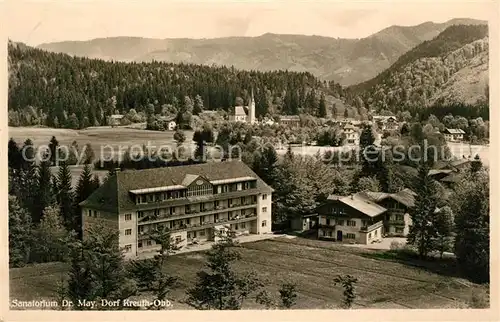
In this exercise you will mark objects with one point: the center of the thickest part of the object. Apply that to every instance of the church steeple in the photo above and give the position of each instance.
(251, 109)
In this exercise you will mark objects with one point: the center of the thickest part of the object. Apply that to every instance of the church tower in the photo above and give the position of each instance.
(251, 110)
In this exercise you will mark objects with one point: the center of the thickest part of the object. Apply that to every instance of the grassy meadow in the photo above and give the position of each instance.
(311, 264)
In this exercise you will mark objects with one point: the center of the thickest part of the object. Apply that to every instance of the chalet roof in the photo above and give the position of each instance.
(405, 196)
(433, 172)
(167, 118)
(289, 118)
(117, 116)
(454, 131)
(114, 194)
(363, 204)
(240, 111)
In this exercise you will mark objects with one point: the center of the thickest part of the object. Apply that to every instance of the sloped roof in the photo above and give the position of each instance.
(363, 204)
(240, 110)
(405, 196)
(289, 118)
(114, 195)
(433, 172)
(454, 131)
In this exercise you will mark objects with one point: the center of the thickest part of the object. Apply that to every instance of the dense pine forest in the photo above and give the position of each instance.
(58, 90)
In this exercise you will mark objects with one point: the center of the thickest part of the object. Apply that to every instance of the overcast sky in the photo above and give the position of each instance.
(37, 22)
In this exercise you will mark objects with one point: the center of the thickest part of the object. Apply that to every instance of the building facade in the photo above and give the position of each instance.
(454, 135)
(194, 202)
(365, 217)
(350, 134)
(290, 120)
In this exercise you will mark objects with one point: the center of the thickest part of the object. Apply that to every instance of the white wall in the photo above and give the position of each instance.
(264, 216)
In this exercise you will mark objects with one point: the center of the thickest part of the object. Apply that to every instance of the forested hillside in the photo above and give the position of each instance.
(451, 68)
(62, 91)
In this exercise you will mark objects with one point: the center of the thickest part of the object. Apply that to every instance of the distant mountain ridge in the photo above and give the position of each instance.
(347, 61)
(452, 68)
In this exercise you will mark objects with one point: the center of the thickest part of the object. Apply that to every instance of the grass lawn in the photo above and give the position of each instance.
(97, 137)
(382, 283)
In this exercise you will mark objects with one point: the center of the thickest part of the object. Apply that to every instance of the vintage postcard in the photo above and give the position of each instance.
(292, 160)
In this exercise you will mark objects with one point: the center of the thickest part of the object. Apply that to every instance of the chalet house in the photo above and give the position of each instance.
(194, 202)
(365, 217)
(453, 135)
(350, 134)
(448, 172)
(386, 123)
(115, 119)
(169, 123)
(290, 120)
(350, 219)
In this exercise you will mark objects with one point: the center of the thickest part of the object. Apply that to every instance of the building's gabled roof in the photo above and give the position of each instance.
(434, 172)
(240, 111)
(363, 205)
(454, 131)
(188, 179)
(289, 118)
(405, 196)
(114, 194)
(117, 116)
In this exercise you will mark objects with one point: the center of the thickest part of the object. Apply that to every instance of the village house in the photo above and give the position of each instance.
(453, 135)
(115, 119)
(244, 114)
(195, 202)
(290, 120)
(386, 123)
(169, 123)
(365, 217)
(350, 134)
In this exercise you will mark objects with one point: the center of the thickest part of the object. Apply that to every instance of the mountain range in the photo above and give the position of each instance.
(449, 69)
(346, 61)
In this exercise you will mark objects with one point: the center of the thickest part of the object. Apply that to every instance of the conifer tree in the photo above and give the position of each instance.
(65, 196)
(472, 226)
(20, 234)
(423, 230)
(53, 146)
(219, 286)
(44, 190)
(322, 107)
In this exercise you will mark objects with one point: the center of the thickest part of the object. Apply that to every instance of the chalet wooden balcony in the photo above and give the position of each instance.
(325, 226)
(372, 227)
(151, 219)
(395, 222)
(208, 224)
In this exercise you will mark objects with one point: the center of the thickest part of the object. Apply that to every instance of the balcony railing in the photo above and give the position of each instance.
(191, 227)
(372, 227)
(148, 219)
(205, 198)
(395, 222)
(331, 226)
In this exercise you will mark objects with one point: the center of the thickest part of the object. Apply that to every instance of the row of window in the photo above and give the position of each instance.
(93, 213)
(340, 222)
(194, 191)
(374, 234)
(208, 206)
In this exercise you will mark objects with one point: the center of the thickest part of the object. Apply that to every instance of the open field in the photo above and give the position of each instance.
(126, 137)
(312, 264)
(98, 137)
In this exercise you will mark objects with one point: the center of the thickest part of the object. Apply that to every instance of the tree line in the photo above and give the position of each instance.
(58, 90)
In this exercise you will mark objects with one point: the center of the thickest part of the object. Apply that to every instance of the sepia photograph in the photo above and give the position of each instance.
(248, 155)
